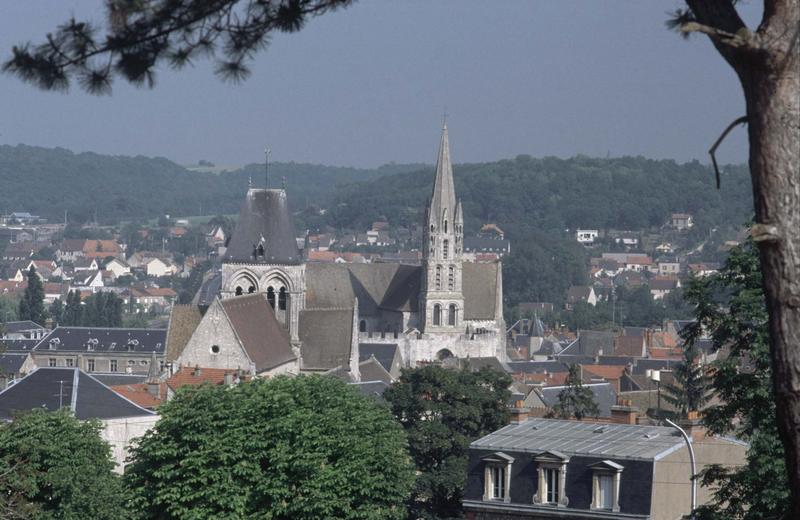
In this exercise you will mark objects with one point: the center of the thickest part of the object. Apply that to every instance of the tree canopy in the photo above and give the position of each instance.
(31, 306)
(442, 411)
(575, 400)
(284, 448)
(53, 466)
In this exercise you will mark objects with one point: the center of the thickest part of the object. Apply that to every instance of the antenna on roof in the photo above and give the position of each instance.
(267, 151)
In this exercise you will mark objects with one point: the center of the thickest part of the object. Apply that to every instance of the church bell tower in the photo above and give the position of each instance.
(442, 299)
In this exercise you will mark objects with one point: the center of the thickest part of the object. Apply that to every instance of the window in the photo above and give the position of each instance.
(551, 482)
(90, 365)
(70, 362)
(497, 477)
(251, 290)
(451, 278)
(438, 277)
(112, 365)
(552, 477)
(215, 349)
(445, 226)
(362, 326)
(437, 314)
(282, 299)
(51, 362)
(451, 315)
(605, 485)
(444, 249)
(271, 297)
(131, 362)
(239, 291)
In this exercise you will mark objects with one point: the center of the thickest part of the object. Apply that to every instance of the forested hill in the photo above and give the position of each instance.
(48, 181)
(527, 194)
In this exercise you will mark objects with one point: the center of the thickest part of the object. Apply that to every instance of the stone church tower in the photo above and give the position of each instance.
(441, 298)
(263, 257)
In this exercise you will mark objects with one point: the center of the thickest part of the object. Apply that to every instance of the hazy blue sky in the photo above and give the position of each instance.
(368, 85)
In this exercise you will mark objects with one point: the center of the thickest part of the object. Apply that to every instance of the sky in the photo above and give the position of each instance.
(370, 84)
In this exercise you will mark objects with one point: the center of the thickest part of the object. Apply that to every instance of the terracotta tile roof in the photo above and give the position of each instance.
(609, 372)
(183, 320)
(665, 353)
(140, 394)
(631, 346)
(198, 376)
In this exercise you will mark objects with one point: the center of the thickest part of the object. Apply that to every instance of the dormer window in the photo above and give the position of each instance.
(552, 473)
(605, 485)
(497, 477)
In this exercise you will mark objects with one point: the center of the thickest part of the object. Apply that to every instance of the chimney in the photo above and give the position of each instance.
(196, 372)
(518, 414)
(694, 426)
(154, 388)
(623, 412)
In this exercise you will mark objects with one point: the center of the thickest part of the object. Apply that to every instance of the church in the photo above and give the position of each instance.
(269, 311)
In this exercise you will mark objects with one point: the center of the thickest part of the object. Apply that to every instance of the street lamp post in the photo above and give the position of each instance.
(694, 468)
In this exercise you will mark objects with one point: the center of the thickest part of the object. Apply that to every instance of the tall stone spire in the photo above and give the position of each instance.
(443, 199)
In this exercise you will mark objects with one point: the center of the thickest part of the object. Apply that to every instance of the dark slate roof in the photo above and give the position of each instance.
(604, 396)
(264, 219)
(618, 441)
(11, 363)
(591, 342)
(569, 359)
(394, 287)
(477, 363)
(643, 365)
(183, 320)
(479, 283)
(326, 336)
(68, 387)
(104, 339)
(18, 345)
(208, 291)
(615, 360)
(264, 339)
(383, 352)
(120, 379)
(634, 331)
(12, 327)
(372, 370)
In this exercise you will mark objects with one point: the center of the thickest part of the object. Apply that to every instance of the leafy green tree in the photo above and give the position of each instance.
(31, 306)
(443, 411)
(8, 308)
(731, 308)
(54, 466)
(575, 400)
(283, 448)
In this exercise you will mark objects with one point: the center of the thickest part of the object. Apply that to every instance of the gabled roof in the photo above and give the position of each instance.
(618, 441)
(55, 388)
(326, 336)
(604, 396)
(263, 338)
(264, 220)
(183, 320)
(11, 362)
(188, 376)
(384, 353)
(372, 370)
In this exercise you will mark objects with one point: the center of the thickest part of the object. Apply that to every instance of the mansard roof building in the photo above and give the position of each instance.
(446, 307)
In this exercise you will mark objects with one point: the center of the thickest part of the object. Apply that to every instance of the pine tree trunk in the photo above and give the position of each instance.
(773, 111)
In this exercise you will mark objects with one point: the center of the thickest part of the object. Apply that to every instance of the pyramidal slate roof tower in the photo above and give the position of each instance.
(264, 232)
(442, 299)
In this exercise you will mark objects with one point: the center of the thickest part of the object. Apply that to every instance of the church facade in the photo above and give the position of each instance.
(446, 307)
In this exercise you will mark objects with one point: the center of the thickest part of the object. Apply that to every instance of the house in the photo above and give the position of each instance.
(160, 297)
(101, 249)
(70, 249)
(88, 280)
(44, 268)
(581, 294)
(21, 250)
(157, 267)
(661, 286)
(702, 270)
(85, 264)
(101, 349)
(681, 221)
(668, 267)
(538, 468)
(22, 330)
(87, 398)
(491, 231)
(586, 236)
(476, 245)
(665, 247)
(13, 366)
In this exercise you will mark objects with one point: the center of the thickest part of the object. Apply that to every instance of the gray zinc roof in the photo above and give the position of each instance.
(618, 441)
(264, 220)
(104, 339)
(604, 396)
